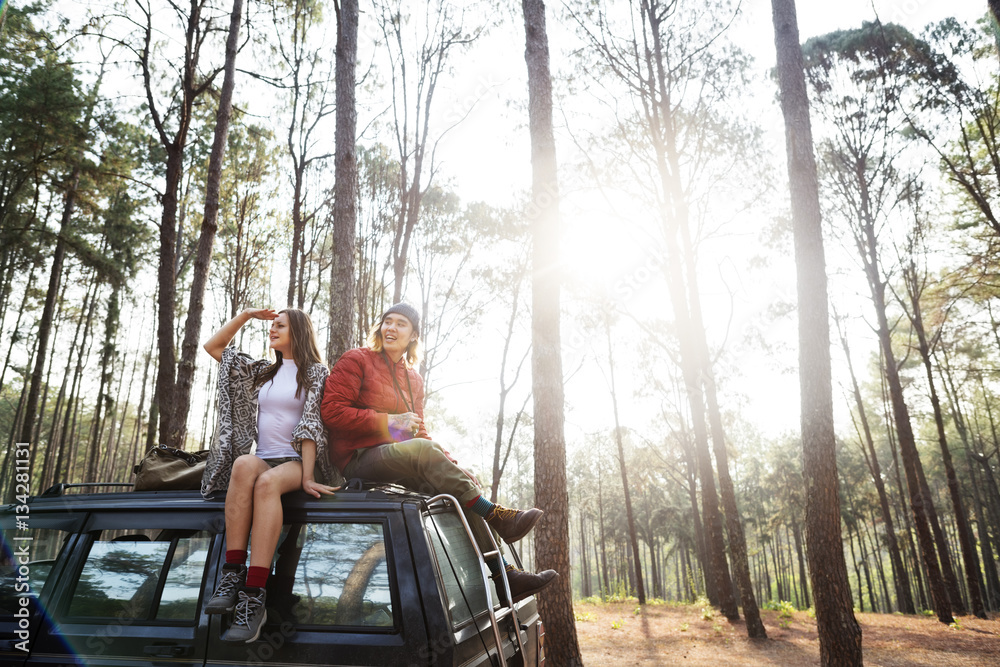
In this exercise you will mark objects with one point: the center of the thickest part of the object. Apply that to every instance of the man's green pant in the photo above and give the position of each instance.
(422, 465)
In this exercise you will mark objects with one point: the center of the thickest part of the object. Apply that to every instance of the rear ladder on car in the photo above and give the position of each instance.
(504, 612)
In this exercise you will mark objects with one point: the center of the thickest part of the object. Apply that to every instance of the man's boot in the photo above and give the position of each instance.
(512, 525)
(523, 584)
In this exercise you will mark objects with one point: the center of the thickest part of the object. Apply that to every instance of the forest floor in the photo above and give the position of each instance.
(621, 633)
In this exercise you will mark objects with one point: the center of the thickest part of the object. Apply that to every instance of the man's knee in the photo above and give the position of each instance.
(417, 452)
(415, 446)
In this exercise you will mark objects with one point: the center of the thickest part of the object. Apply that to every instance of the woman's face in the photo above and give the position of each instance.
(397, 334)
(281, 336)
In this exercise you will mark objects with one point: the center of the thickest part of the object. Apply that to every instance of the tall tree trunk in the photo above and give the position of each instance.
(206, 239)
(969, 557)
(48, 309)
(126, 457)
(57, 476)
(951, 584)
(173, 147)
(36, 436)
(675, 219)
(552, 537)
(595, 540)
(633, 540)
(140, 407)
(499, 460)
(345, 189)
(901, 578)
(917, 568)
(989, 481)
(699, 528)
(584, 560)
(857, 569)
(167, 291)
(992, 581)
(71, 433)
(734, 524)
(863, 547)
(15, 336)
(839, 632)
(992, 578)
(776, 561)
(408, 216)
(907, 445)
(104, 403)
(7, 480)
(298, 231)
(55, 275)
(762, 540)
(871, 532)
(797, 536)
(606, 587)
(654, 566)
(60, 398)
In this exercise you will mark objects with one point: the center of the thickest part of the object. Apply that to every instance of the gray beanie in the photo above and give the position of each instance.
(407, 311)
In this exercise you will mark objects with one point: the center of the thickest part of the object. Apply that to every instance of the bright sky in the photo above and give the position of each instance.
(486, 157)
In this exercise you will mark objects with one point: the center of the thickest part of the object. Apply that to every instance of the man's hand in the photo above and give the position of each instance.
(406, 425)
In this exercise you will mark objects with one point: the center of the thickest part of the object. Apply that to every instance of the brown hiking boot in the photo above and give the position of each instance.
(512, 525)
(524, 584)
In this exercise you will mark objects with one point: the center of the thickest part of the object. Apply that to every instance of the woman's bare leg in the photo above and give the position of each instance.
(267, 513)
(239, 500)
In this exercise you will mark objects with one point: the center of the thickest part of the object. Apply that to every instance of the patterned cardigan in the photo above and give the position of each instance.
(236, 431)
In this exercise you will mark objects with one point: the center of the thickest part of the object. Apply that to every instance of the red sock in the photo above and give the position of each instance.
(236, 556)
(257, 576)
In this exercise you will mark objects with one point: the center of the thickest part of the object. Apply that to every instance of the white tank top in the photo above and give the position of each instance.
(278, 413)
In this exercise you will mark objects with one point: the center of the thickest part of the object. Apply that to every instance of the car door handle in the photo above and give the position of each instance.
(167, 650)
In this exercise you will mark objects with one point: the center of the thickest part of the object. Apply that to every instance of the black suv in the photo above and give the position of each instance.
(368, 577)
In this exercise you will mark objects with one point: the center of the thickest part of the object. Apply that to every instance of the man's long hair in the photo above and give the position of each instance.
(414, 351)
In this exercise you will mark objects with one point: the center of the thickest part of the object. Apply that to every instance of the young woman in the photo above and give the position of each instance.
(373, 406)
(274, 405)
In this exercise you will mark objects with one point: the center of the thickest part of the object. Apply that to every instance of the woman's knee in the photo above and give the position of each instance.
(267, 484)
(245, 468)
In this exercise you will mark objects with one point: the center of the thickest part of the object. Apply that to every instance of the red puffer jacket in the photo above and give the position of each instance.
(360, 395)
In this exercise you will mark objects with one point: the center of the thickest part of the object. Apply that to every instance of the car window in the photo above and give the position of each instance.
(458, 562)
(141, 575)
(332, 574)
(43, 546)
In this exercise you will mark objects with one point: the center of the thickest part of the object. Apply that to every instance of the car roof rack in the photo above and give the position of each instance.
(57, 490)
(356, 485)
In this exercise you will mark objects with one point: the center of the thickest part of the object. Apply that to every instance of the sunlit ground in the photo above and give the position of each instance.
(615, 634)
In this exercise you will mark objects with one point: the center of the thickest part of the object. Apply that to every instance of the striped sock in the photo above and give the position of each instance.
(480, 506)
(257, 576)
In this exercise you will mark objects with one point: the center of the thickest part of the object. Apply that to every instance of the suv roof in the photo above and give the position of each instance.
(56, 498)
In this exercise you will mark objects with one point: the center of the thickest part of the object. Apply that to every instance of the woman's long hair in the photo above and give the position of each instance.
(414, 350)
(305, 350)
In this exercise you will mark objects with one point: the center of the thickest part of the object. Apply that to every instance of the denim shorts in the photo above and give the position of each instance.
(274, 463)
